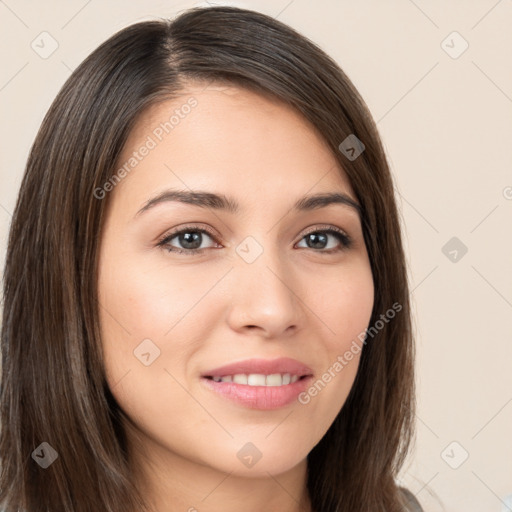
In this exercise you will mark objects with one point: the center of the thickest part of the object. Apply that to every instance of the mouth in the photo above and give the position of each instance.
(258, 379)
(259, 383)
(248, 391)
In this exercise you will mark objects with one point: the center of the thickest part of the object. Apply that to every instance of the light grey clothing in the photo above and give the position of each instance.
(413, 505)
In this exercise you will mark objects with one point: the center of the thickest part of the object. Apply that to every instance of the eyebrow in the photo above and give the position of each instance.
(205, 199)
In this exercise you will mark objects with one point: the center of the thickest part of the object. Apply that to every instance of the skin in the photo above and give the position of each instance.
(213, 308)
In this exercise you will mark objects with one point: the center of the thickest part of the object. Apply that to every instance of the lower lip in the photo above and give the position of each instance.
(259, 397)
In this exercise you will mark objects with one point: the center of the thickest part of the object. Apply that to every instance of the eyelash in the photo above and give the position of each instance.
(343, 238)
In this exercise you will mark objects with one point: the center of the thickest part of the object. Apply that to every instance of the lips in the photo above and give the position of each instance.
(261, 366)
(259, 383)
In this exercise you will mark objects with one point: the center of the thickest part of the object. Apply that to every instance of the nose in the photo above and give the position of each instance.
(265, 297)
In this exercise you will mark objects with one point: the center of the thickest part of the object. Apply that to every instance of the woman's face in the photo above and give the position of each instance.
(267, 282)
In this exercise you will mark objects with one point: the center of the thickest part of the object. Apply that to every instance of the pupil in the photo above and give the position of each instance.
(189, 240)
(315, 237)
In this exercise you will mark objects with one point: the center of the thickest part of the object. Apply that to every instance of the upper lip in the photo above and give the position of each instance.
(261, 366)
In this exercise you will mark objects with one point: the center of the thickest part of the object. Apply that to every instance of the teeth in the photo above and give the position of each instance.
(240, 378)
(257, 379)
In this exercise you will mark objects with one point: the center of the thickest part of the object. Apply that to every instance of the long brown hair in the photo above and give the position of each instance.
(53, 387)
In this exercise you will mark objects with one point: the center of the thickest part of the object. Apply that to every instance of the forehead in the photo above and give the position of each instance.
(218, 136)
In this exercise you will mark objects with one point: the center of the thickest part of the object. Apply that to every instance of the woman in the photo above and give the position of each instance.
(206, 302)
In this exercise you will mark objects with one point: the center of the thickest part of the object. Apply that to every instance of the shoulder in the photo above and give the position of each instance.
(410, 501)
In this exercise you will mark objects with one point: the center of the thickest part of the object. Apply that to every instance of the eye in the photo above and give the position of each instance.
(318, 239)
(190, 237)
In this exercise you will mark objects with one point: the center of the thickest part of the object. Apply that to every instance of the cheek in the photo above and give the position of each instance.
(345, 310)
(148, 335)
(346, 306)
(160, 303)
(149, 301)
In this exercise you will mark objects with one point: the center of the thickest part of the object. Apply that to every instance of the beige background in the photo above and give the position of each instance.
(446, 125)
